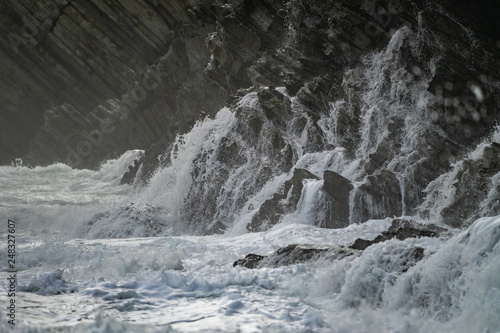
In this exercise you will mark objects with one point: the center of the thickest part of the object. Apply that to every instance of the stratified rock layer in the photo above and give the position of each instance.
(64, 59)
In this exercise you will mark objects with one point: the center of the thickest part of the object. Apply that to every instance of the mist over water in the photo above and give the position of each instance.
(114, 279)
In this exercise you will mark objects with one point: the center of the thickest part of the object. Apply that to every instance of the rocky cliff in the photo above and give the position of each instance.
(379, 104)
(84, 81)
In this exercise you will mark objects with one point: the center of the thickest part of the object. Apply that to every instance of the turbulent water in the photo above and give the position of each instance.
(84, 265)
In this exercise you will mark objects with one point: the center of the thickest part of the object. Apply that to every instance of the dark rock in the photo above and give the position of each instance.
(157, 156)
(473, 182)
(276, 107)
(250, 261)
(285, 256)
(141, 56)
(130, 176)
(281, 203)
(293, 254)
(296, 254)
(400, 229)
(378, 197)
(337, 190)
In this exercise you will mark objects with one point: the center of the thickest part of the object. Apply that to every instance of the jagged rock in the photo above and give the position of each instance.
(473, 182)
(281, 203)
(378, 197)
(337, 189)
(250, 261)
(293, 254)
(157, 156)
(400, 229)
(130, 176)
(285, 256)
(276, 107)
(296, 254)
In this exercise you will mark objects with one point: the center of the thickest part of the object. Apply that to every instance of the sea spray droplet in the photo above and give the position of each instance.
(477, 91)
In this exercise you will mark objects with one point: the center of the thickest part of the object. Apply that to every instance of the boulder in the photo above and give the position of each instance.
(337, 191)
(250, 261)
(130, 176)
(271, 211)
(400, 229)
(378, 197)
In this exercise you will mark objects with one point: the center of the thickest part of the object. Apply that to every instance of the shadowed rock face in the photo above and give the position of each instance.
(272, 210)
(64, 59)
(337, 190)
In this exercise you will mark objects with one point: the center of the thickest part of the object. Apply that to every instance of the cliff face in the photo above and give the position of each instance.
(70, 66)
(393, 93)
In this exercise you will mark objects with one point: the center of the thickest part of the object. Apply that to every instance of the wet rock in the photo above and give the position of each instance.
(271, 211)
(250, 261)
(337, 190)
(275, 105)
(130, 176)
(472, 185)
(284, 45)
(378, 197)
(400, 229)
(293, 254)
(288, 255)
(157, 156)
(405, 257)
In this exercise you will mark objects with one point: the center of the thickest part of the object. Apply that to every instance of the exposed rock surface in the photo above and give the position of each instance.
(337, 189)
(250, 261)
(273, 209)
(378, 197)
(399, 229)
(130, 176)
(69, 57)
(472, 188)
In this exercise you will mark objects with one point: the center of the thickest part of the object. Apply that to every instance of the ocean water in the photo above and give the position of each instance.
(70, 283)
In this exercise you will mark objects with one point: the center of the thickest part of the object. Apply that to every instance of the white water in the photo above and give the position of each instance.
(188, 284)
(177, 281)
